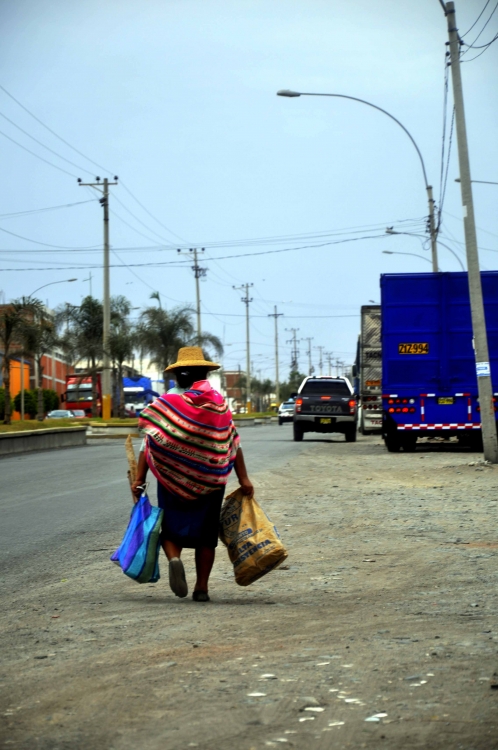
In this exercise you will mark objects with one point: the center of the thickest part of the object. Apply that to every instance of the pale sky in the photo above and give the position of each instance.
(177, 98)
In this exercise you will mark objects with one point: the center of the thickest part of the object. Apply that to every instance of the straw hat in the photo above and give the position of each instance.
(192, 356)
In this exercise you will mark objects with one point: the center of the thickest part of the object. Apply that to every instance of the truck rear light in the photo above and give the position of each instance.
(391, 401)
(405, 410)
(299, 403)
(412, 409)
(391, 410)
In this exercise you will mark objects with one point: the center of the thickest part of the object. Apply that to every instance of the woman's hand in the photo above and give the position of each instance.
(137, 488)
(246, 486)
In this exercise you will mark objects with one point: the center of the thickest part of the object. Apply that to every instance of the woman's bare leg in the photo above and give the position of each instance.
(204, 559)
(171, 549)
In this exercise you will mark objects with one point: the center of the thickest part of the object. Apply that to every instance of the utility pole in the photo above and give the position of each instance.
(328, 355)
(320, 361)
(276, 316)
(295, 352)
(106, 365)
(309, 339)
(198, 273)
(483, 370)
(246, 300)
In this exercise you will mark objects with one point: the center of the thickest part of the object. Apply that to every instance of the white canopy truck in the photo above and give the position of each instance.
(370, 370)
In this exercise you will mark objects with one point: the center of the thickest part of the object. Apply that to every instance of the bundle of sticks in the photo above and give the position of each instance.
(132, 463)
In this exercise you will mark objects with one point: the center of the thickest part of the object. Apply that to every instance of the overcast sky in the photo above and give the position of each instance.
(177, 98)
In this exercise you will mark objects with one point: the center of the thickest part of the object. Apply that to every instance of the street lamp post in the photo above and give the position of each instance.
(432, 221)
(62, 281)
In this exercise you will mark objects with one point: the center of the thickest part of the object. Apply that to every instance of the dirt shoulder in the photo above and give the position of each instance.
(385, 610)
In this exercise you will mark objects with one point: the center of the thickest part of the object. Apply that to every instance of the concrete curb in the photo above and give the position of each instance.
(257, 422)
(41, 440)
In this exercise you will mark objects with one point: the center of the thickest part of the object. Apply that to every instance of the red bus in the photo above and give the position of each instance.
(78, 393)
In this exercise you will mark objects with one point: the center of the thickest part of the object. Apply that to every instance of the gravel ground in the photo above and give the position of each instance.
(379, 632)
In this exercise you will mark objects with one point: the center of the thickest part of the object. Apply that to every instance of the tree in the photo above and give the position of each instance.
(162, 332)
(83, 338)
(292, 385)
(39, 336)
(122, 341)
(12, 320)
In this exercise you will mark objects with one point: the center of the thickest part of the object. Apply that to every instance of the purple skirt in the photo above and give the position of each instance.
(190, 523)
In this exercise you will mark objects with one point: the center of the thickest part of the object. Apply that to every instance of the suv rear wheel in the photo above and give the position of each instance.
(350, 434)
(298, 433)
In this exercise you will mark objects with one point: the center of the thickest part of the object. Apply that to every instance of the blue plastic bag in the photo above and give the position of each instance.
(138, 554)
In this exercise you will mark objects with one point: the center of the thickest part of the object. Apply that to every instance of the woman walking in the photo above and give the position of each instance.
(191, 446)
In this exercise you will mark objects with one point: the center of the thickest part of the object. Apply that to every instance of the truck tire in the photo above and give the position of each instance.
(409, 444)
(350, 434)
(393, 443)
(298, 433)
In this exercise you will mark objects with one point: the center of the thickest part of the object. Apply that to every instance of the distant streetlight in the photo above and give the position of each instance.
(63, 281)
(481, 182)
(415, 255)
(432, 222)
(414, 234)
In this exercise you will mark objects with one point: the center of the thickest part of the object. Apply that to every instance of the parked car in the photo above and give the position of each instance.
(325, 404)
(79, 413)
(286, 411)
(60, 414)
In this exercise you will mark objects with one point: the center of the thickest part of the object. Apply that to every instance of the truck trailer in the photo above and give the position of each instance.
(429, 380)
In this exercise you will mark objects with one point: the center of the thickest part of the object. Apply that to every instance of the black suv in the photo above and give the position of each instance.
(325, 404)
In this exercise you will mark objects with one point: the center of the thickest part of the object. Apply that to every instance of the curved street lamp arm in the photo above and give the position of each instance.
(415, 255)
(413, 234)
(62, 281)
(374, 106)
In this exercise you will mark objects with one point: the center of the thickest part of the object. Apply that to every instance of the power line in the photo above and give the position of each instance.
(37, 156)
(473, 45)
(43, 145)
(477, 19)
(14, 214)
(151, 214)
(80, 153)
(52, 131)
(60, 247)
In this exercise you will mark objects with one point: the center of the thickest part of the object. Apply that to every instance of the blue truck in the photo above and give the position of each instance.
(429, 381)
(137, 394)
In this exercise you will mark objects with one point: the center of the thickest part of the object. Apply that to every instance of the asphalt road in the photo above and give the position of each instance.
(50, 497)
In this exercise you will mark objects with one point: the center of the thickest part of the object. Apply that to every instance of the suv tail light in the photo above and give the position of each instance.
(352, 406)
(299, 403)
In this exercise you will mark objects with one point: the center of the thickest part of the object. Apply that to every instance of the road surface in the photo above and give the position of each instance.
(49, 497)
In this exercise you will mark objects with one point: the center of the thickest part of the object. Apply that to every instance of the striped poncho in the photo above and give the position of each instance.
(191, 441)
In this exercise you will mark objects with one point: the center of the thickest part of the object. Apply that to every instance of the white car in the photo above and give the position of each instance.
(286, 412)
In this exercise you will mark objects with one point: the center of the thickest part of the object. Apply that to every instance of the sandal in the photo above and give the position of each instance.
(177, 580)
(201, 596)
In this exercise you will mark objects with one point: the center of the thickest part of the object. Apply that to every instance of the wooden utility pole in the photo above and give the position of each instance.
(106, 365)
(295, 351)
(246, 300)
(309, 339)
(276, 316)
(483, 370)
(198, 273)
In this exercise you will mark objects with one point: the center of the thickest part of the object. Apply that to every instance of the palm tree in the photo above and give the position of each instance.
(39, 336)
(83, 338)
(122, 340)
(162, 332)
(12, 319)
